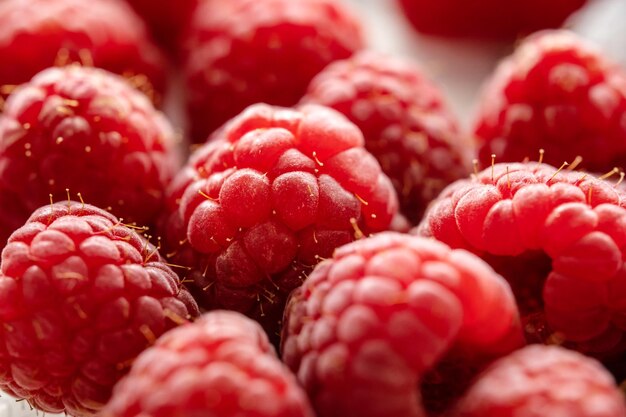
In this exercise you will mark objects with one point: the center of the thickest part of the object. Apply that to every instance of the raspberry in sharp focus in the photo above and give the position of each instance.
(37, 34)
(540, 381)
(221, 365)
(242, 52)
(88, 131)
(558, 93)
(274, 192)
(369, 325)
(490, 19)
(557, 236)
(80, 296)
(406, 124)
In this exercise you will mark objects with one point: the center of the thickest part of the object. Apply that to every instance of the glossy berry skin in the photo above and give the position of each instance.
(539, 381)
(88, 131)
(242, 52)
(274, 192)
(367, 326)
(80, 296)
(558, 238)
(37, 34)
(558, 93)
(221, 365)
(487, 19)
(406, 124)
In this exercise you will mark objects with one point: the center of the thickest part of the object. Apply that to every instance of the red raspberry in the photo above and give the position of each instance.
(558, 237)
(491, 19)
(222, 365)
(242, 52)
(80, 296)
(167, 19)
(540, 381)
(557, 93)
(406, 124)
(89, 131)
(368, 325)
(274, 192)
(37, 34)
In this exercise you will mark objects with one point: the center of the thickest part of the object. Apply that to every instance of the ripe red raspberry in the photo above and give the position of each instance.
(37, 34)
(491, 19)
(242, 52)
(558, 237)
(80, 296)
(275, 191)
(368, 326)
(167, 19)
(85, 130)
(406, 124)
(221, 365)
(558, 93)
(540, 381)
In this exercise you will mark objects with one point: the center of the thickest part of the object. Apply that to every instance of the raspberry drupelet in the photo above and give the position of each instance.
(221, 365)
(557, 236)
(81, 295)
(37, 34)
(559, 93)
(368, 329)
(540, 381)
(274, 192)
(88, 131)
(406, 124)
(242, 52)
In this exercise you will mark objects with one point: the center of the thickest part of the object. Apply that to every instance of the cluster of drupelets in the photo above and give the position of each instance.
(328, 212)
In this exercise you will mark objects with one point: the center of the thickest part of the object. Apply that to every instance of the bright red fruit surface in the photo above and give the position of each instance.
(406, 124)
(273, 193)
(558, 93)
(88, 131)
(372, 331)
(491, 19)
(221, 365)
(37, 34)
(540, 381)
(242, 52)
(557, 236)
(81, 295)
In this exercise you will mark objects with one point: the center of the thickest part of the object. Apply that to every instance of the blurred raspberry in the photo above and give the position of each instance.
(540, 381)
(559, 239)
(376, 321)
(221, 365)
(558, 93)
(242, 52)
(88, 131)
(273, 193)
(37, 34)
(490, 19)
(406, 124)
(80, 296)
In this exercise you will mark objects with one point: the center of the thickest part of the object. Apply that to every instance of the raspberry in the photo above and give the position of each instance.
(406, 124)
(272, 193)
(558, 93)
(37, 34)
(80, 296)
(540, 381)
(557, 236)
(369, 325)
(85, 130)
(490, 19)
(167, 19)
(242, 52)
(222, 365)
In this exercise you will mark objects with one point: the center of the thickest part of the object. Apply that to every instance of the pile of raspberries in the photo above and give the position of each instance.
(236, 209)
